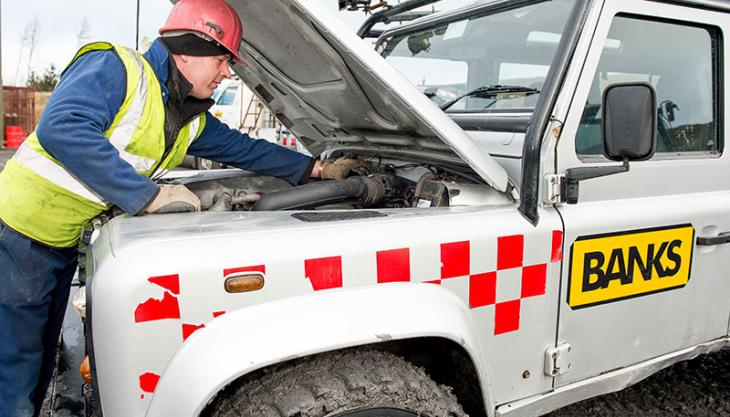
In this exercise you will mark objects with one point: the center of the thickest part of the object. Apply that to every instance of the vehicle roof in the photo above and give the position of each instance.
(721, 5)
(718, 5)
(712, 4)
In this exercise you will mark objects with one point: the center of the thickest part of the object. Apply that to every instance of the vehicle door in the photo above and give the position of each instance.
(635, 282)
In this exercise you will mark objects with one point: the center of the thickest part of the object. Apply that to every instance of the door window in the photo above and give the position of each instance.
(680, 62)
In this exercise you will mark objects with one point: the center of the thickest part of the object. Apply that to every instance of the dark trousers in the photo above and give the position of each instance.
(34, 285)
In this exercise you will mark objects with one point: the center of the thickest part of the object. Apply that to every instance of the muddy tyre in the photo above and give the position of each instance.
(342, 384)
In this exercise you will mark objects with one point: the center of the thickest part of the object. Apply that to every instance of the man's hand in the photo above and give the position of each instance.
(174, 199)
(339, 169)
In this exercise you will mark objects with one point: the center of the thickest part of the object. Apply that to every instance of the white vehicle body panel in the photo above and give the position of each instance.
(505, 148)
(245, 340)
(464, 250)
(605, 383)
(684, 190)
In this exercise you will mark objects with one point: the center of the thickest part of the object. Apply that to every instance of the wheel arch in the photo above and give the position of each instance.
(426, 324)
(444, 361)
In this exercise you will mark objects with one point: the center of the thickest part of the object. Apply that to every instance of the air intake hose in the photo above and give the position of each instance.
(367, 190)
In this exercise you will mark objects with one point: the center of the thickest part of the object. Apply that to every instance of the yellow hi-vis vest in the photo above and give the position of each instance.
(42, 200)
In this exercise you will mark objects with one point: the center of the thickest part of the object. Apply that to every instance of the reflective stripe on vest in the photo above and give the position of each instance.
(194, 130)
(124, 132)
(45, 202)
(44, 167)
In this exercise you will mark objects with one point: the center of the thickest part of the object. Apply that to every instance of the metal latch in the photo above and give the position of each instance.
(557, 360)
(554, 192)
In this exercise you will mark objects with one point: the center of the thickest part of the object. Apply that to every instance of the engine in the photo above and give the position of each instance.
(375, 185)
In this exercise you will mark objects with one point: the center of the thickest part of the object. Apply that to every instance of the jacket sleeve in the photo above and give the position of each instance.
(222, 144)
(81, 108)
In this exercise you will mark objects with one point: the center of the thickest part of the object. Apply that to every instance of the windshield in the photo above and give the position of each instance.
(451, 58)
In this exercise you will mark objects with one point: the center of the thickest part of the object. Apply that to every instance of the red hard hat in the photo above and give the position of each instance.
(215, 19)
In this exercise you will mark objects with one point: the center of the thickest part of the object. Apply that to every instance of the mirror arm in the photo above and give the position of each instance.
(569, 186)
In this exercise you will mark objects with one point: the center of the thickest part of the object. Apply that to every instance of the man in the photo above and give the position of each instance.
(115, 119)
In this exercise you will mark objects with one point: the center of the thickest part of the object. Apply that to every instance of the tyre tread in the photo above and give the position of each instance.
(336, 382)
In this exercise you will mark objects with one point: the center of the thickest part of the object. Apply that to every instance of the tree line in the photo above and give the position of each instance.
(47, 80)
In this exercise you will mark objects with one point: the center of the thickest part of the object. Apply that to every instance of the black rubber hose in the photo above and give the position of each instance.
(368, 190)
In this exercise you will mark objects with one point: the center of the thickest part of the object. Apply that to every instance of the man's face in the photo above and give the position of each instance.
(203, 72)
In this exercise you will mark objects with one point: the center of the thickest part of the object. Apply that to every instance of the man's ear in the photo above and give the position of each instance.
(181, 59)
(182, 62)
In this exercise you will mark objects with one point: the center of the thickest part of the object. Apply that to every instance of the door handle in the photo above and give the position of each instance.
(720, 239)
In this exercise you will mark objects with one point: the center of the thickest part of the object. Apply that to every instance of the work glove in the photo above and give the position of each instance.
(340, 169)
(173, 199)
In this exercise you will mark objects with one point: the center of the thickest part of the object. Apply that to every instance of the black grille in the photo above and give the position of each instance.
(314, 217)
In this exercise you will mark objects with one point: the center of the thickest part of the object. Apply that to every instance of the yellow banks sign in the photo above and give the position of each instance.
(616, 266)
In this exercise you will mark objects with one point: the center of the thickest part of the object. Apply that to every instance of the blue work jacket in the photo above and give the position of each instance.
(83, 106)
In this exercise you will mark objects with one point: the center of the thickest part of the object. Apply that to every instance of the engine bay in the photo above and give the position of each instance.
(377, 183)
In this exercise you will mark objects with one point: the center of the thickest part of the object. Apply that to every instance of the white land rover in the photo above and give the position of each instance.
(555, 231)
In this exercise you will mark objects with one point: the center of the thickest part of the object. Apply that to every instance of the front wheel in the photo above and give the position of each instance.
(365, 383)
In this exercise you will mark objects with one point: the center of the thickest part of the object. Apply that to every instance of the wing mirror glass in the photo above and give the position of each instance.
(629, 122)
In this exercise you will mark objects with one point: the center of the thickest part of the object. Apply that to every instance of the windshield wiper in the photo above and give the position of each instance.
(493, 91)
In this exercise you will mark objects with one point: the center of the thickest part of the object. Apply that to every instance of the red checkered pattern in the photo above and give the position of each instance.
(324, 273)
(166, 308)
(557, 253)
(394, 265)
(483, 285)
(504, 289)
(454, 259)
(148, 382)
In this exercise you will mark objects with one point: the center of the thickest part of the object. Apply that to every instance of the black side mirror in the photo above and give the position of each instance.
(629, 122)
(628, 133)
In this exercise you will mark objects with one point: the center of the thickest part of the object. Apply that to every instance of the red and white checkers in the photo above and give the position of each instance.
(498, 282)
(504, 288)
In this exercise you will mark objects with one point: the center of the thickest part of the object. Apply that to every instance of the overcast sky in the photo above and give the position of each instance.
(60, 22)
